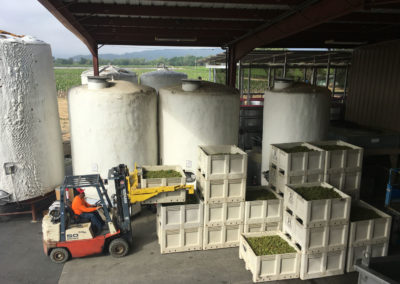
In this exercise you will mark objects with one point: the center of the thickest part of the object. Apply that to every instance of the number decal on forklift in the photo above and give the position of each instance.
(72, 236)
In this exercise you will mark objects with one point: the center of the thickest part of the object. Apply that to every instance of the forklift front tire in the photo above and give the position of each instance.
(59, 255)
(118, 248)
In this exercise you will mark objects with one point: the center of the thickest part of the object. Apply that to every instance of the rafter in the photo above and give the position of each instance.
(166, 11)
(309, 17)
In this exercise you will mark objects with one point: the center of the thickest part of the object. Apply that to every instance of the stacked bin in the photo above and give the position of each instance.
(342, 166)
(221, 179)
(180, 226)
(369, 236)
(295, 167)
(270, 267)
(263, 215)
(173, 196)
(319, 228)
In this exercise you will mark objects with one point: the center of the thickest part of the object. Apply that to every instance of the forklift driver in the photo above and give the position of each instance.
(87, 211)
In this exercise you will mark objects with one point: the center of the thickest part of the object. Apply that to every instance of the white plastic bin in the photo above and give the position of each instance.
(262, 227)
(218, 214)
(263, 211)
(323, 264)
(317, 239)
(316, 213)
(269, 267)
(154, 182)
(222, 162)
(220, 191)
(337, 160)
(372, 230)
(225, 236)
(356, 252)
(181, 216)
(179, 240)
(298, 163)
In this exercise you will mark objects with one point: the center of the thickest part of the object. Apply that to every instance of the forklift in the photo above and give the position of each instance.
(64, 238)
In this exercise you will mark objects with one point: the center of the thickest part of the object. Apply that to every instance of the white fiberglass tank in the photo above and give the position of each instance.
(293, 112)
(110, 72)
(208, 115)
(111, 123)
(162, 78)
(31, 152)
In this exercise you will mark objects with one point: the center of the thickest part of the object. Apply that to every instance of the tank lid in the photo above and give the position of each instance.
(190, 85)
(97, 82)
(282, 83)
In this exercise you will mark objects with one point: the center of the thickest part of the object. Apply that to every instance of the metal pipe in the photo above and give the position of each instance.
(249, 85)
(334, 82)
(269, 77)
(240, 77)
(345, 83)
(284, 67)
(328, 67)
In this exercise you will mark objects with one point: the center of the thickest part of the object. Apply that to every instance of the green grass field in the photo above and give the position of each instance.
(68, 77)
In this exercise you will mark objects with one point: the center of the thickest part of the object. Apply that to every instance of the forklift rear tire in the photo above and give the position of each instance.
(118, 248)
(59, 255)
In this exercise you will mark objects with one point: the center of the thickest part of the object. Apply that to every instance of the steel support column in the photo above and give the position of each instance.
(284, 67)
(96, 61)
(328, 73)
(231, 72)
(345, 83)
(334, 81)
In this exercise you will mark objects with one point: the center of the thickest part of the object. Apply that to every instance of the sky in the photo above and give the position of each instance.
(29, 17)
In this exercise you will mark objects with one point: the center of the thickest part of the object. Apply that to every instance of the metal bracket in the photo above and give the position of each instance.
(9, 168)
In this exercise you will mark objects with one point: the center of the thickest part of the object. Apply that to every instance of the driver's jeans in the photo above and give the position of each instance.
(95, 220)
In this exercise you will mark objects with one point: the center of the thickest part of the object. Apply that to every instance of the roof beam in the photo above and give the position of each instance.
(309, 17)
(167, 11)
(167, 23)
(369, 18)
(150, 41)
(128, 31)
(60, 11)
(253, 2)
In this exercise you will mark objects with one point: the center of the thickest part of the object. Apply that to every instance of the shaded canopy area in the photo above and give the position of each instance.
(237, 25)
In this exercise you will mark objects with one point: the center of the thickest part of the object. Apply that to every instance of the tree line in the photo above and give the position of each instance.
(187, 60)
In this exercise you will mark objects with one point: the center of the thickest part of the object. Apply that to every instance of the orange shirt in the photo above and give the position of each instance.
(80, 205)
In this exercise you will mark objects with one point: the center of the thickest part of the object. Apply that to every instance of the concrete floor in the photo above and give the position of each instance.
(22, 261)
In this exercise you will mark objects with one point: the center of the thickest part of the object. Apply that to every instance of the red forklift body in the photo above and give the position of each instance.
(81, 248)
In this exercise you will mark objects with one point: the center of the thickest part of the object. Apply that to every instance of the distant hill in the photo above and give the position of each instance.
(155, 54)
